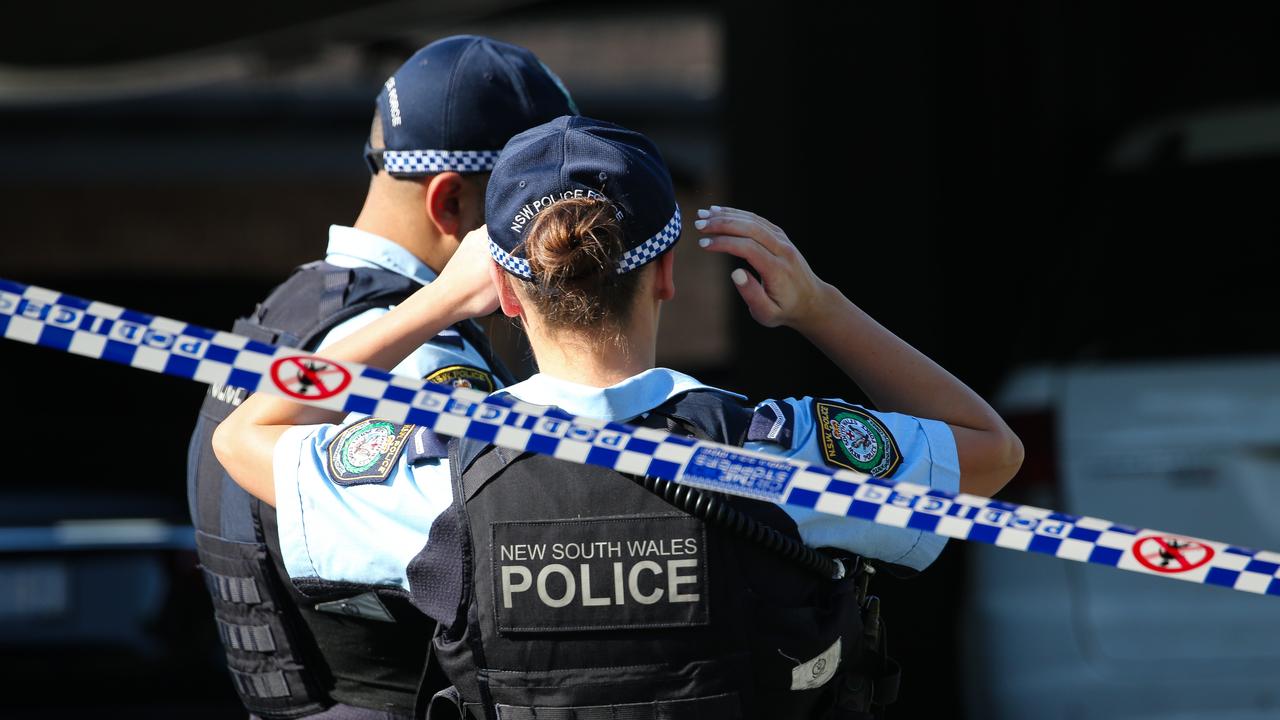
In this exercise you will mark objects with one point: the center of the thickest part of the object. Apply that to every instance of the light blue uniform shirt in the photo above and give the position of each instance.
(352, 248)
(368, 533)
(929, 458)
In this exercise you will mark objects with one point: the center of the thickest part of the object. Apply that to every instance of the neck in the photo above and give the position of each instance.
(395, 213)
(594, 362)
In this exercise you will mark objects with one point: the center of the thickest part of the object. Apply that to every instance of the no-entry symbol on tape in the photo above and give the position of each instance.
(309, 378)
(1171, 555)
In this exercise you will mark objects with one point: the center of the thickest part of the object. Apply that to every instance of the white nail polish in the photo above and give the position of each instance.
(716, 208)
(704, 242)
(739, 277)
(700, 224)
(704, 213)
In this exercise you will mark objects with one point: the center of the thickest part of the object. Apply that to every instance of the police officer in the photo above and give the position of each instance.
(355, 648)
(570, 591)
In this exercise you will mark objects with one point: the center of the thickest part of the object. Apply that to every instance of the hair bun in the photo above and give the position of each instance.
(573, 249)
(573, 240)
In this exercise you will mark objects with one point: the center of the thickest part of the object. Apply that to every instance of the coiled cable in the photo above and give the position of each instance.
(714, 509)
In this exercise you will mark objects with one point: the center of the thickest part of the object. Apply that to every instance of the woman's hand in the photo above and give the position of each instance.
(465, 279)
(896, 376)
(788, 292)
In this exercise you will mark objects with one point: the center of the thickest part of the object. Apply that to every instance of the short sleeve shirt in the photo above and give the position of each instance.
(911, 449)
(368, 533)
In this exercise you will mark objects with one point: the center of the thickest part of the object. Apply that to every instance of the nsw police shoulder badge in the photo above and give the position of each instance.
(464, 376)
(366, 452)
(855, 439)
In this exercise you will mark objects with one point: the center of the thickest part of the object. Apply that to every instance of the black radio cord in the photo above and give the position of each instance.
(714, 509)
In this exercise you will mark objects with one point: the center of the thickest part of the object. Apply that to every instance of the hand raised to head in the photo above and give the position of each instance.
(787, 292)
(467, 278)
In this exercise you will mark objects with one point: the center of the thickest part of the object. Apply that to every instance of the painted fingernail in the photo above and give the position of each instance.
(700, 224)
(704, 213)
(716, 208)
(704, 242)
(739, 277)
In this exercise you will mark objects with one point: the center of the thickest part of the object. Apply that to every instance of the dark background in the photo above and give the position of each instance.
(1001, 184)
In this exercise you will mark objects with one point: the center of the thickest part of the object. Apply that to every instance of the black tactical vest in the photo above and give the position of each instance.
(290, 654)
(571, 592)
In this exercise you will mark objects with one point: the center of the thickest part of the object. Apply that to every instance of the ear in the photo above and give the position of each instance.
(444, 203)
(664, 280)
(507, 298)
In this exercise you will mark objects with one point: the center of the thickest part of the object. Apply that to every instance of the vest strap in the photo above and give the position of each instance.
(254, 638)
(261, 685)
(243, 590)
(335, 289)
(715, 706)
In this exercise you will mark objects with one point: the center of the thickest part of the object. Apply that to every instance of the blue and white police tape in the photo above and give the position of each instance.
(97, 330)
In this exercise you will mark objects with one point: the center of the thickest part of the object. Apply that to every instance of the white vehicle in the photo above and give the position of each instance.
(1185, 446)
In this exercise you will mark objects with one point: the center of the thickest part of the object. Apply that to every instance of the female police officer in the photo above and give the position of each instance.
(569, 591)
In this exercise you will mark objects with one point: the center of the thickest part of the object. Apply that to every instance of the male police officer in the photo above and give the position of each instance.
(355, 649)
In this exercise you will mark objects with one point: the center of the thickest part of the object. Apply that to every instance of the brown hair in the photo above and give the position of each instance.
(573, 249)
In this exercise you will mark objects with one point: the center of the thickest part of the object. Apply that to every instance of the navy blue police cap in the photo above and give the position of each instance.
(456, 102)
(579, 157)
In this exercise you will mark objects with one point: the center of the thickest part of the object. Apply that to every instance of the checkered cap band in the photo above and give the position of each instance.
(514, 265)
(38, 316)
(653, 247)
(633, 259)
(425, 162)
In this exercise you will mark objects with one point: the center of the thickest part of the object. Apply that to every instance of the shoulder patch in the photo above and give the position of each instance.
(774, 422)
(466, 376)
(366, 452)
(853, 438)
